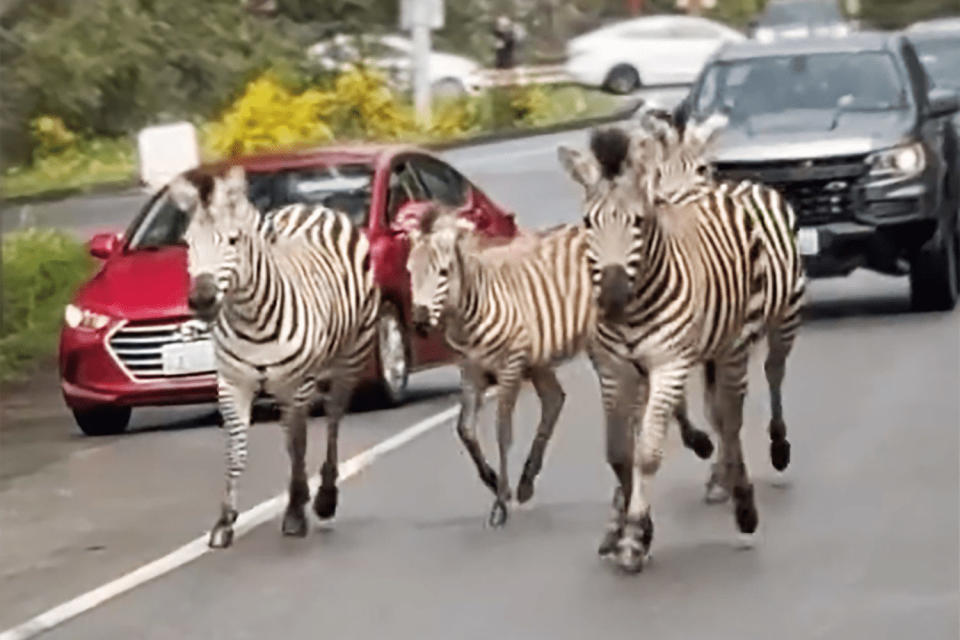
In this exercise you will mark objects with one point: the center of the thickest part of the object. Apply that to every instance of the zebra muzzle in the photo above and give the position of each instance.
(614, 291)
(420, 316)
(203, 296)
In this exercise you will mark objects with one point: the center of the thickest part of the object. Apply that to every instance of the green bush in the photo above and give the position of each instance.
(84, 163)
(41, 270)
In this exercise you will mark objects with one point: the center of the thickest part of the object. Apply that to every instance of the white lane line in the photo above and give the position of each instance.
(266, 510)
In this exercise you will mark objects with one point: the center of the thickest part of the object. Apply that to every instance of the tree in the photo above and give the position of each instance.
(896, 14)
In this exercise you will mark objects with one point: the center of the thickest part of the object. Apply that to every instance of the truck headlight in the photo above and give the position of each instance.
(77, 318)
(898, 162)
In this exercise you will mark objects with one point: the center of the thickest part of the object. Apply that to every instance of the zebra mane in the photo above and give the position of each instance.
(610, 147)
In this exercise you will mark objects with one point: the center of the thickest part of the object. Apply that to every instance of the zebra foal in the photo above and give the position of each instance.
(679, 284)
(292, 306)
(513, 311)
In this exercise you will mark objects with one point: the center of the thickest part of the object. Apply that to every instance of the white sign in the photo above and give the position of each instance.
(421, 12)
(165, 151)
(188, 357)
(808, 241)
(704, 4)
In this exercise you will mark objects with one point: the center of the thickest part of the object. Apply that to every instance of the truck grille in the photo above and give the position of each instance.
(138, 348)
(821, 190)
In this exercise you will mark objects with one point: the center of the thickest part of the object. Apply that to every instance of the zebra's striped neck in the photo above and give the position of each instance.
(251, 308)
(471, 306)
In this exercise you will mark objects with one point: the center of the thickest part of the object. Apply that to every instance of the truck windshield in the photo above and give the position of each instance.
(941, 58)
(346, 188)
(778, 14)
(760, 86)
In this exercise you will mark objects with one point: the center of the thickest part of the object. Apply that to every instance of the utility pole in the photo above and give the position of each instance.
(419, 17)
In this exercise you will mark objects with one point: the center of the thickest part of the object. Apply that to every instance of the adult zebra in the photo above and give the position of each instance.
(680, 282)
(514, 311)
(293, 305)
(680, 171)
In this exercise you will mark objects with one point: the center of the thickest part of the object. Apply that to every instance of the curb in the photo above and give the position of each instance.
(115, 188)
(515, 134)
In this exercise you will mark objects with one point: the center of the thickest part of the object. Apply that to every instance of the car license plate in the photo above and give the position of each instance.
(189, 357)
(809, 242)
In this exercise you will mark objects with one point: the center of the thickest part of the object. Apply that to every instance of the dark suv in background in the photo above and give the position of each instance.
(855, 136)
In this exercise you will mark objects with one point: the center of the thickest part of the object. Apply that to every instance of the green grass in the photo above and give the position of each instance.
(90, 163)
(41, 270)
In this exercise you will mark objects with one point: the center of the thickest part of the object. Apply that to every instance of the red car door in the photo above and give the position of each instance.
(389, 251)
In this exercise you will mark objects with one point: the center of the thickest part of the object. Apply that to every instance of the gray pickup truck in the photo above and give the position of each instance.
(856, 137)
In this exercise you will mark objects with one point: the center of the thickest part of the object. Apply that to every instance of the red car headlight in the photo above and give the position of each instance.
(77, 318)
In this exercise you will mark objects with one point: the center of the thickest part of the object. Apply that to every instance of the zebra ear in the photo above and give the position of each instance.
(183, 193)
(465, 226)
(700, 135)
(579, 166)
(235, 180)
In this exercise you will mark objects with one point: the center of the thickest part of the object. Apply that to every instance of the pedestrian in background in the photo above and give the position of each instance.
(507, 35)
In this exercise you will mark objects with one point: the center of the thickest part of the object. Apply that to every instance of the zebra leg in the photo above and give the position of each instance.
(509, 382)
(473, 383)
(235, 406)
(295, 426)
(731, 390)
(667, 384)
(717, 490)
(694, 439)
(551, 401)
(779, 346)
(623, 394)
(341, 389)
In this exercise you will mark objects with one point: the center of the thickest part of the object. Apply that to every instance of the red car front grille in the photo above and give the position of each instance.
(138, 348)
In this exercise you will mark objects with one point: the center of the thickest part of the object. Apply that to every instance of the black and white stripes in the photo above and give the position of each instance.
(514, 312)
(683, 274)
(293, 307)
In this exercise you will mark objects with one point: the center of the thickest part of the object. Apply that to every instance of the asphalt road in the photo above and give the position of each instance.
(862, 541)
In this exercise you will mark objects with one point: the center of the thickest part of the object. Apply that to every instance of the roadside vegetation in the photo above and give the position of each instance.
(41, 270)
(271, 114)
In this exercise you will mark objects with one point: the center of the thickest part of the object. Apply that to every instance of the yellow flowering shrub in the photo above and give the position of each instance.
(51, 135)
(268, 116)
(365, 107)
(452, 118)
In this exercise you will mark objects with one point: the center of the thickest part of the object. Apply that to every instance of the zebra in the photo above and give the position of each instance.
(292, 304)
(679, 283)
(514, 311)
(682, 170)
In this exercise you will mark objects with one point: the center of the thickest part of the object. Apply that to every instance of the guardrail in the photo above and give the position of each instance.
(534, 74)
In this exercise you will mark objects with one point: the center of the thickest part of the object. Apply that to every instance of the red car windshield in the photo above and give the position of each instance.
(346, 188)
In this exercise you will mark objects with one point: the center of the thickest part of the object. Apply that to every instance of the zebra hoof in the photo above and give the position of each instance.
(325, 504)
(745, 510)
(294, 524)
(498, 514)
(715, 494)
(780, 454)
(630, 555)
(746, 541)
(700, 443)
(524, 490)
(221, 536)
(608, 545)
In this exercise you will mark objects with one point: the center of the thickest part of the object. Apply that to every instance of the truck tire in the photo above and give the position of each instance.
(935, 275)
(103, 421)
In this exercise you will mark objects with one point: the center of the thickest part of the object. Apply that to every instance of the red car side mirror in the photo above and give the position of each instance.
(103, 245)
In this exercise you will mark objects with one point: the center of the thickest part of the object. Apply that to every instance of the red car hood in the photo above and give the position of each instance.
(141, 285)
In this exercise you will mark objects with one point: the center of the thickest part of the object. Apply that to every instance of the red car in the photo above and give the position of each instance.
(122, 344)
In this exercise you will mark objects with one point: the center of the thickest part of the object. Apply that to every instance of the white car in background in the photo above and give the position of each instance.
(449, 74)
(793, 19)
(652, 50)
